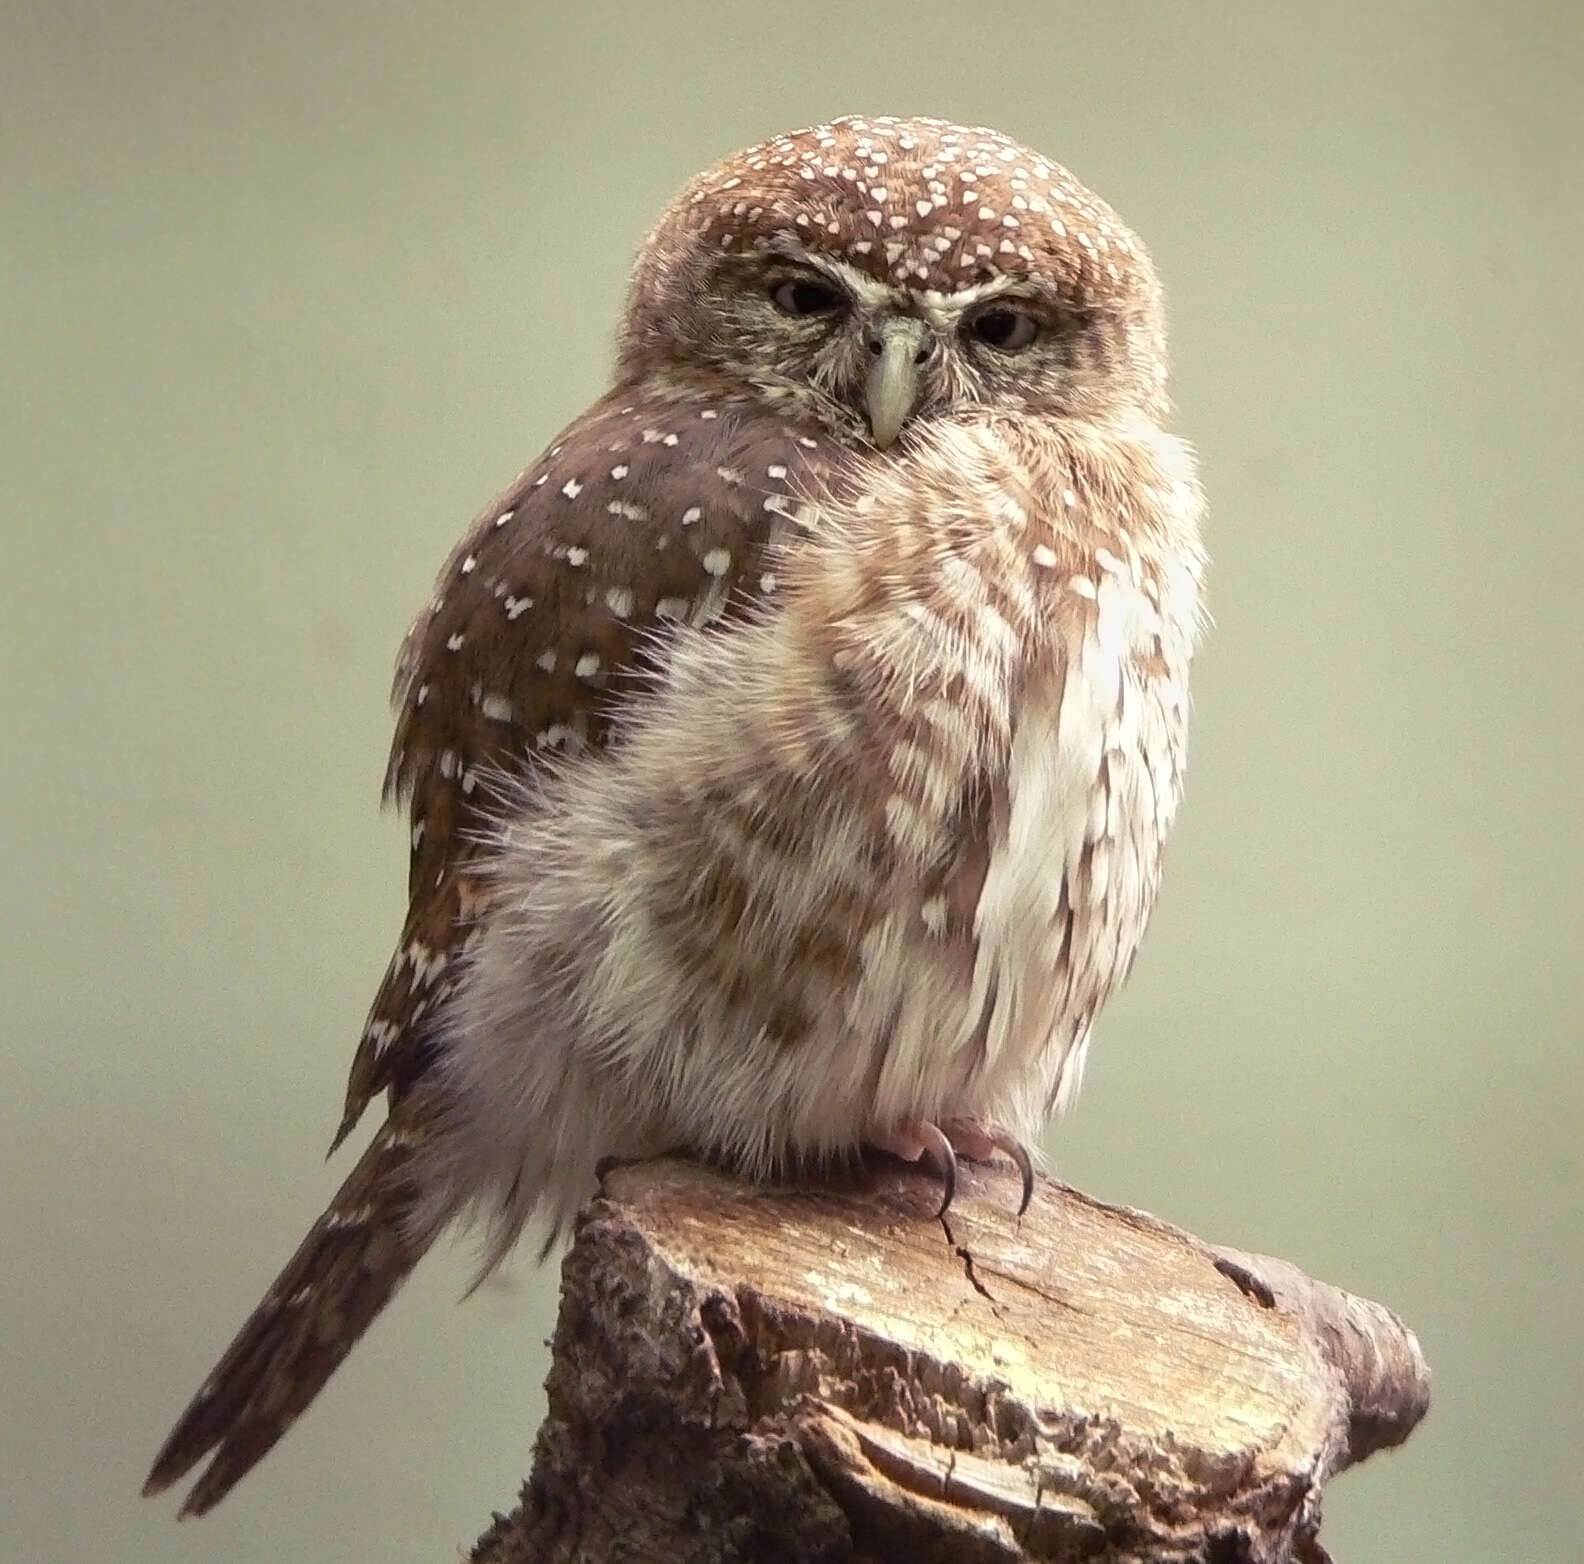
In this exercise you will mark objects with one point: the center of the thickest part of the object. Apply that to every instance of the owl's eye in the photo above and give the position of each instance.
(1007, 331)
(804, 296)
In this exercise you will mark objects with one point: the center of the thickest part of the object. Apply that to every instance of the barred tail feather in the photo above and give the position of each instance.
(344, 1272)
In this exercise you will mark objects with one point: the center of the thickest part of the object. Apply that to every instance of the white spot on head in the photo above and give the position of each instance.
(576, 556)
(620, 601)
(619, 471)
(776, 470)
(469, 564)
(454, 642)
(497, 708)
(1044, 555)
(516, 606)
(718, 561)
(571, 488)
(690, 515)
(546, 660)
(587, 665)
(671, 608)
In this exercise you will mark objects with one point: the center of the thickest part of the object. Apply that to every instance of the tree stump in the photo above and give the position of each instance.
(836, 1374)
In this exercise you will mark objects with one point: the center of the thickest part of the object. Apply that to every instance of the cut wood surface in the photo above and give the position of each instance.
(832, 1373)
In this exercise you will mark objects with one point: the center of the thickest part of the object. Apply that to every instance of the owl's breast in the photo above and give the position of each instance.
(1092, 788)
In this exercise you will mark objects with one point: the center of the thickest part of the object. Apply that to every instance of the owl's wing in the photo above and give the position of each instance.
(652, 510)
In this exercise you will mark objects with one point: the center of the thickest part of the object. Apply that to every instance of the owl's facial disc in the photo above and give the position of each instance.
(898, 347)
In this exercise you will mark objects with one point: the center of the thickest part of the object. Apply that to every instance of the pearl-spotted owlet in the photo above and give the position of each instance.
(790, 750)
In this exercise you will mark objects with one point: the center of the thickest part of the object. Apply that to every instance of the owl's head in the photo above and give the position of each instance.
(875, 271)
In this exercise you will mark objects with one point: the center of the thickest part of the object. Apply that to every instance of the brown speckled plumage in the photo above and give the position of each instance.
(791, 750)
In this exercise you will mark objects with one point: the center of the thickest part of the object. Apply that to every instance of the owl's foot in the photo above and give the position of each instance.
(911, 1139)
(980, 1141)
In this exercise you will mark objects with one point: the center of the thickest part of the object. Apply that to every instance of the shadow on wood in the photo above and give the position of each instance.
(833, 1374)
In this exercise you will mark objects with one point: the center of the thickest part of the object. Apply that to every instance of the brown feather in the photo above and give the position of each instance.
(658, 506)
(344, 1272)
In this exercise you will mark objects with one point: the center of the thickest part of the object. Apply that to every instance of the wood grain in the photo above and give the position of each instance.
(831, 1373)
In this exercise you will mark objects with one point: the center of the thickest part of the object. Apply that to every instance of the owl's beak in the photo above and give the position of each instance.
(898, 347)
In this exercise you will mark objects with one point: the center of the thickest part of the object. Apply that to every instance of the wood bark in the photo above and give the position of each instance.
(834, 1374)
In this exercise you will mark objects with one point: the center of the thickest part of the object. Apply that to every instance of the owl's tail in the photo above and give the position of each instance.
(344, 1272)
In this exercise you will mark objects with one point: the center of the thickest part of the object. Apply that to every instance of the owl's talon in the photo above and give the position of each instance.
(1019, 1154)
(914, 1138)
(940, 1148)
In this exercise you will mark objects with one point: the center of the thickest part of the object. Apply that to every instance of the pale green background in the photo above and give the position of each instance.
(287, 295)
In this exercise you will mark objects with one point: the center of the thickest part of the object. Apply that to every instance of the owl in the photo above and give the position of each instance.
(790, 751)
